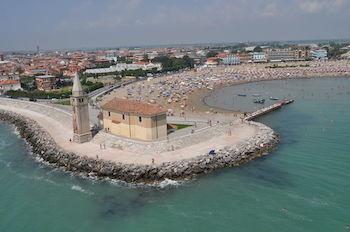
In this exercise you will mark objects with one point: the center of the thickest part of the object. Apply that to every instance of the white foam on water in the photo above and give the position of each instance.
(168, 182)
(38, 178)
(80, 189)
(3, 143)
(6, 163)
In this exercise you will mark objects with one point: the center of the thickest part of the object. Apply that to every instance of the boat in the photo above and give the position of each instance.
(259, 100)
(242, 95)
(274, 98)
(256, 95)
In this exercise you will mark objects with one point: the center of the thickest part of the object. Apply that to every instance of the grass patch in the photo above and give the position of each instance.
(65, 102)
(182, 126)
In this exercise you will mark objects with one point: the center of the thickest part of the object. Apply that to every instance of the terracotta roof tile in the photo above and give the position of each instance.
(9, 82)
(133, 107)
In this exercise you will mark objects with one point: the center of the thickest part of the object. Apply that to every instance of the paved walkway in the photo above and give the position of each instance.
(57, 123)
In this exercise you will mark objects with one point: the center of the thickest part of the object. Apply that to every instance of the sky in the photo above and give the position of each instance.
(59, 24)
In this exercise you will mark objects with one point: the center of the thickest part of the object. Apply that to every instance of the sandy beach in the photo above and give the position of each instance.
(183, 93)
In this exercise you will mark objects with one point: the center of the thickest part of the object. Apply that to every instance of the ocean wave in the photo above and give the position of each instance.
(38, 178)
(80, 189)
(168, 183)
(94, 178)
(3, 143)
(163, 184)
(6, 163)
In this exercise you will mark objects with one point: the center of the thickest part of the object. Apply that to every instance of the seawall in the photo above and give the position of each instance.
(43, 146)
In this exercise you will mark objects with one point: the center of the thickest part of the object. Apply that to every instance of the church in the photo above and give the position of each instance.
(134, 119)
(122, 117)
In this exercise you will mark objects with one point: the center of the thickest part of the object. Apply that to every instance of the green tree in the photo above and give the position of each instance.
(145, 58)
(211, 54)
(257, 49)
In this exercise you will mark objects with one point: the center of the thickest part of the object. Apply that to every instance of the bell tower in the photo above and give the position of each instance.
(80, 114)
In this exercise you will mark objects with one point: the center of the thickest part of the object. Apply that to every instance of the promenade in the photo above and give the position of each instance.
(57, 123)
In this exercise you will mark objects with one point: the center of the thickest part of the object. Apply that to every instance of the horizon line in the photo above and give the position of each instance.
(175, 45)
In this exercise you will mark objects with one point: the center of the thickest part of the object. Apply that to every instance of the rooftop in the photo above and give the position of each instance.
(9, 82)
(133, 107)
(45, 76)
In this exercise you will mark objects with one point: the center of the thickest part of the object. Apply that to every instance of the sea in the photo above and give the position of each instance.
(304, 185)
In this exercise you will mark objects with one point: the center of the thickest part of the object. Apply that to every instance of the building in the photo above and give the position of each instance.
(80, 114)
(302, 54)
(45, 82)
(7, 67)
(6, 85)
(319, 54)
(123, 66)
(212, 62)
(134, 119)
(245, 57)
(230, 60)
(278, 55)
(346, 56)
(259, 57)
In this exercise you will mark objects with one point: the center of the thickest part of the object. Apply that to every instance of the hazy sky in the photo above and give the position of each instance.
(51, 24)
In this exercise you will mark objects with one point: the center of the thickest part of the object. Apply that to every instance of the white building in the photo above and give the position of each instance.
(319, 54)
(123, 67)
(259, 57)
(231, 60)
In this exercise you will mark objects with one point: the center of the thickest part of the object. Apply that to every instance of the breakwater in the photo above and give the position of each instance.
(43, 146)
(263, 111)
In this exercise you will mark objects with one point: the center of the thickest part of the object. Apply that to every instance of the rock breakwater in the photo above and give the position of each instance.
(43, 146)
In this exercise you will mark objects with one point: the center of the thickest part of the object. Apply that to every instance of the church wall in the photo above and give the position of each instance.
(131, 127)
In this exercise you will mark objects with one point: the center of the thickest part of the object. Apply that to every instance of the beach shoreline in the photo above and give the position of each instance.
(183, 93)
(197, 98)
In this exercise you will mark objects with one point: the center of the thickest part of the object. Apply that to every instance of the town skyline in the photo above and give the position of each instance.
(93, 24)
(183, 45)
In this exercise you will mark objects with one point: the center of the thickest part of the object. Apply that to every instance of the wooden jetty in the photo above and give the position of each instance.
(268, 109)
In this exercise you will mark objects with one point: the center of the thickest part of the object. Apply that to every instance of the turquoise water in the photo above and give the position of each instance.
(303, 186)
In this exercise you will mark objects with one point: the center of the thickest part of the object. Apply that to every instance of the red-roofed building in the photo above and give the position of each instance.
(213, 61)
(222, 55)
(6, 85)
(134, 119)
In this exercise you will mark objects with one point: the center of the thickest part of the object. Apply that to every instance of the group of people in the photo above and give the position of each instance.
(173, 90)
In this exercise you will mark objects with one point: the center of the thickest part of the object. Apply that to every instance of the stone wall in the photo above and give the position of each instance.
(45, 147)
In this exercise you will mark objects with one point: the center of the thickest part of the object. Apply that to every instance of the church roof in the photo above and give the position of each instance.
(133, 107)
(77, 88)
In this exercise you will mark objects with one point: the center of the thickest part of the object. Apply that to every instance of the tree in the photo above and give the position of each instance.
(188, 61)
(257, 49)
(145, 58)
(211, 54)
(28, 83)
(174, 64)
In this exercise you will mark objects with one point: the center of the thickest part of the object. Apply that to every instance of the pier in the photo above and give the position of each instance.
(268, 109)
